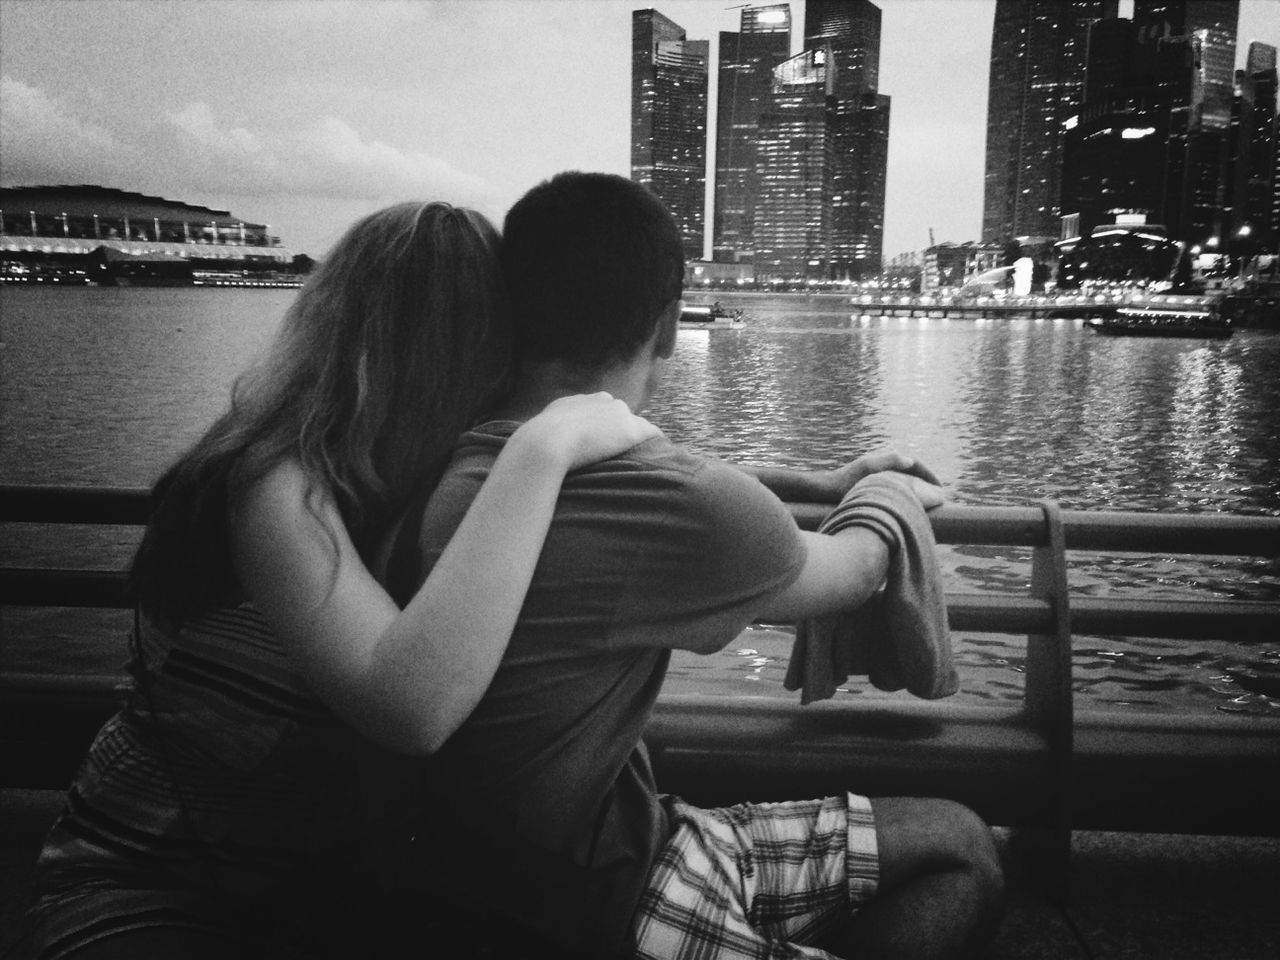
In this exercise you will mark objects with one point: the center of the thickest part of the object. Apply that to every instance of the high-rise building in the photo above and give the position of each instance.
(747, 59)
(860, 144)
(850, 31)
(1215, 22)
(1253, 150)
(851, 28)
(669, 119)
(1151, 138)
(796, 154)
(1201, 105)
(1038, 53)
(1275, 183)
(1116, 146)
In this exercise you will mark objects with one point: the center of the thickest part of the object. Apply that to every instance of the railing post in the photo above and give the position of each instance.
(1048, 699)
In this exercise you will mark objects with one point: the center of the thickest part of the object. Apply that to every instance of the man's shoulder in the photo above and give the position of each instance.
(681, 470)
(660, 454)
(657, 465)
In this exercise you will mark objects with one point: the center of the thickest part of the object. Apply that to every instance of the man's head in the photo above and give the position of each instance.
(591, 262)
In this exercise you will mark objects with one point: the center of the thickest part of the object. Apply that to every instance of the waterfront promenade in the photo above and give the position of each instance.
(953, 306)
(950, 304)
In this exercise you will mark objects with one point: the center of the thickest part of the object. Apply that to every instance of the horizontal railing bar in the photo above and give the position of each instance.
(1185, 533)
(101, 589)
(997, 526)
(1243, 620)
(981, 612)
(31, 503)
(61, 684)
(998, 613)
(1102, 530)
(34, 587)
(1204, 533)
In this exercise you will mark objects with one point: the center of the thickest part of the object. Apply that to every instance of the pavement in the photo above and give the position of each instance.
(1132, 896)
(1137, 896)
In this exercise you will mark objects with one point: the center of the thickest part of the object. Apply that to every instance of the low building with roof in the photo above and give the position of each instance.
(98, 230)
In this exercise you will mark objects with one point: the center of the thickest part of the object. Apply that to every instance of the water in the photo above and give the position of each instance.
(106, 386)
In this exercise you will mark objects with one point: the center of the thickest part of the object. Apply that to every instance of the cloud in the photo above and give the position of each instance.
(337, 155)
(196, 120)
(45, 143)
(327, 158)
(192, 153)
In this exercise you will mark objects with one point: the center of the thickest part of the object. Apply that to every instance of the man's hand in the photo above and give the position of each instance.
(830, 486)
(841, 480)
(929, 494)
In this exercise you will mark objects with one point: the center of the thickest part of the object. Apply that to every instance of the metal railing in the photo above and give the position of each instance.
(1048, 613)
(1037, 763)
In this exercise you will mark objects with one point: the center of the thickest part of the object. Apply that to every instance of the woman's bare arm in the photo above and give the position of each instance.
(408, 678)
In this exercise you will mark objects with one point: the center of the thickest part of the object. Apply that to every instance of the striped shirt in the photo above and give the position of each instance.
(217, 799)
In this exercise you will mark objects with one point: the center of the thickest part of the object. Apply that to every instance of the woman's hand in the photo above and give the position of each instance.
(583, 429)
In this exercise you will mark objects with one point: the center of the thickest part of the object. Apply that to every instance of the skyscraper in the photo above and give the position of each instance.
(1253, 150)
(1200, 101)
(747, 59)
(1215, 22)
(851, 28)
(669, 119)
(1038, 51)
(1151, 137)
(796, 154)
(1113, 156)
(850, 31)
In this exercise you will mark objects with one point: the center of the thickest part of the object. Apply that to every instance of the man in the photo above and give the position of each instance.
(541, 811)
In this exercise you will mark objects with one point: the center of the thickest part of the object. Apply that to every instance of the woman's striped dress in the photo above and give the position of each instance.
(219, 799)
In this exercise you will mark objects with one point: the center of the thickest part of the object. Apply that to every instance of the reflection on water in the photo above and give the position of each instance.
(1008, 413)
(105, 386)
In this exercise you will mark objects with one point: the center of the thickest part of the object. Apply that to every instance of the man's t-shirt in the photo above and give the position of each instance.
(542, 805)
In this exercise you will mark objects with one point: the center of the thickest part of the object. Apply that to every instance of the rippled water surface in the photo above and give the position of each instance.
(104, 386)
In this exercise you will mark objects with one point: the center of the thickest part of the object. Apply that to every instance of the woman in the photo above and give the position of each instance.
(210, 817)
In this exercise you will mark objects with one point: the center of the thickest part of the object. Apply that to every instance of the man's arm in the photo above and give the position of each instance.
(841, 572)
(830, 486)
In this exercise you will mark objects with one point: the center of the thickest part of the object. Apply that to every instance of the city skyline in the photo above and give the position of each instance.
(255, 108)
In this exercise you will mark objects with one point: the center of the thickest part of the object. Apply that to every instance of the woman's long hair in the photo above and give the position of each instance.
(394, 346)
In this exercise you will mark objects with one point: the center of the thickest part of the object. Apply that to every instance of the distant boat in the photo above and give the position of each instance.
(715, 315)
(1160, 320)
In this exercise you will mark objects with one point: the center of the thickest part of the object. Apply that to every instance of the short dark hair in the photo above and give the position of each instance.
(590, 261)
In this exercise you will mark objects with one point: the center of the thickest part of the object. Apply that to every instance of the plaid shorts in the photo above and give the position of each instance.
(758, 880)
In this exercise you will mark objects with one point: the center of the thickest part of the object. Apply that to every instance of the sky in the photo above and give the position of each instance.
(306, 114)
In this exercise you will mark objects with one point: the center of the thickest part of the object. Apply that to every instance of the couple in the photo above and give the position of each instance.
(565, 548)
